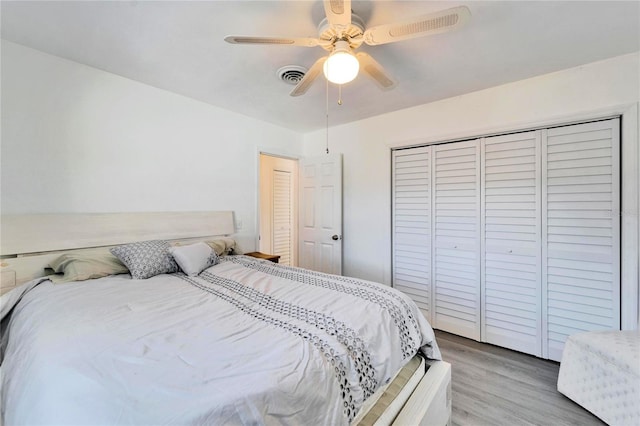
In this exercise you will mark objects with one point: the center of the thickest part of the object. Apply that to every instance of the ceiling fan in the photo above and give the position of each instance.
(342, 31)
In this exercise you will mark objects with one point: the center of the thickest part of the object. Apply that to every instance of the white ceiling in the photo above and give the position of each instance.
(178, 46)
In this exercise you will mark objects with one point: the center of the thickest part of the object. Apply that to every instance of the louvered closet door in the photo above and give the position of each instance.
(456, 237)
(281, 215)
(511, 262)
(411, 174)
(581, 231)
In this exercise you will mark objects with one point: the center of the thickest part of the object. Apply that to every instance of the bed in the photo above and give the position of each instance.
(245, 341)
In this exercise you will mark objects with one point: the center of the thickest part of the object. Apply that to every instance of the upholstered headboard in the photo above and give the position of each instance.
(29, 242)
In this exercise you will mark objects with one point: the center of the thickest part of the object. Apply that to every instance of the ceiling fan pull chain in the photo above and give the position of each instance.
(339, 94)
(326, 106)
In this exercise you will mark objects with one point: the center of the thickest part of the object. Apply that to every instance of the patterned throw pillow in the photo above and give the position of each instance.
(146, 259)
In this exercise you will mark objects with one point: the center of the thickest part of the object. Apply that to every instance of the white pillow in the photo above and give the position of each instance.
(194, 258)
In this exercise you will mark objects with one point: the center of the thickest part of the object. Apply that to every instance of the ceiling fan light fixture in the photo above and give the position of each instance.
(341, 66)
(341, 32)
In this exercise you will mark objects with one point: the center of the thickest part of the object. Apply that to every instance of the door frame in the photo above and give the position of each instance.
(287, 156)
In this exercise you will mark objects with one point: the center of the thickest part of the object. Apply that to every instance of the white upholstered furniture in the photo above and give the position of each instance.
(600, 370)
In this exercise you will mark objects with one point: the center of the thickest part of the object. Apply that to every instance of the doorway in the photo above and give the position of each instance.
(278, 233)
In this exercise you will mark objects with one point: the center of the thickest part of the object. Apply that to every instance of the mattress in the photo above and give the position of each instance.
(247, 341)
(600, 370)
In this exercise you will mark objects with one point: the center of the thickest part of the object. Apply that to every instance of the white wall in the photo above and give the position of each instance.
(77, 139)
(585, 91)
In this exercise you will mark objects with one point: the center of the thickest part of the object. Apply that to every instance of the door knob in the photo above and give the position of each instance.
(335, 237)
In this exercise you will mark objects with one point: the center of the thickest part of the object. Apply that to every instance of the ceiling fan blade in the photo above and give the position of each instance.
(338, 11)
(300, 41)
(433, 23)
(309, 78)
(373, 69)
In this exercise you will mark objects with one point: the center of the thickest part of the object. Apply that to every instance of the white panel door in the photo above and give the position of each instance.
(321, 213)
(511, 254)
(411, 207)
(581, 231)
(456, 238)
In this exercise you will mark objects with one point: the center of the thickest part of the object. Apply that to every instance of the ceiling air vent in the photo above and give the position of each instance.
(291, 74)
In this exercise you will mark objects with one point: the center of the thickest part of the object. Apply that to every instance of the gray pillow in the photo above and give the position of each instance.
(84, 266)
(146, 259)
(222, 246)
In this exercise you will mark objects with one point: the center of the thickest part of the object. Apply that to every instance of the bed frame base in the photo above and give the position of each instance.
(430, 402)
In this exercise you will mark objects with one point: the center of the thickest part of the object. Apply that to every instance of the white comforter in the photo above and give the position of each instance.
(246, 342)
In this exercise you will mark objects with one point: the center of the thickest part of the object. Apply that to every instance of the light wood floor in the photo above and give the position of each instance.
(496, 386)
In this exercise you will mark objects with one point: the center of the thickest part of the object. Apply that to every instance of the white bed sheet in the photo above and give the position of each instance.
(247, 342)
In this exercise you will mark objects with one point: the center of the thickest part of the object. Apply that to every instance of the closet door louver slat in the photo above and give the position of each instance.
(511, 261)
(456, 238)
(581, 231)
(411, 175)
